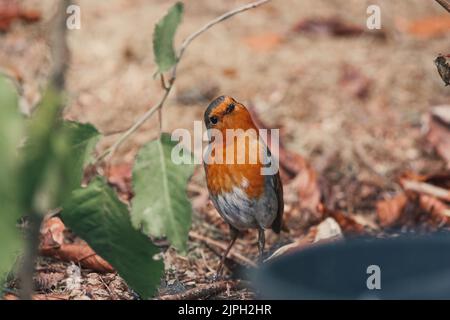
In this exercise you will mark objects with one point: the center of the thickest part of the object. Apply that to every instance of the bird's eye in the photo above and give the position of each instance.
(213, 119)
(230, 108)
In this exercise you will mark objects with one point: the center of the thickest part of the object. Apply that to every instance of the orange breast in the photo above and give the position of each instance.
(222, 177)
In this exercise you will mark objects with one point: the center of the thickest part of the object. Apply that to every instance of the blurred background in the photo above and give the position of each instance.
(355, 103)
(328, 91)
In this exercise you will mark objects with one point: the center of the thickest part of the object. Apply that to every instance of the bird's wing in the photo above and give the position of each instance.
(275, 182)
(276, 225)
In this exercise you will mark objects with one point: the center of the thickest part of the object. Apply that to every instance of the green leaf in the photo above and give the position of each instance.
(11, 131)
(163, 35)
(97, 216)
(81, 140)
(11, 243)
(39, 178)
(54, 156)
(160, 206)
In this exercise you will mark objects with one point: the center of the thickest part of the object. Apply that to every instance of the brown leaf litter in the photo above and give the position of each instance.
(53, 245)
(425, 200)
(11, 10)
(331, 26)
(438, 134)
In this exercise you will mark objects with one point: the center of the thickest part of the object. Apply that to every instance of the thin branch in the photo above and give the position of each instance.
(445, 4)
(135, 126)
(163, 82)
(209, 241)
(167, 89)
(210, 24)
(207, 290)
(60, 50)
(429, 189)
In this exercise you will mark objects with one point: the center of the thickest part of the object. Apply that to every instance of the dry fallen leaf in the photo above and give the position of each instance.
(308, 188)
(52, 245)
(296, 245)
(439, 211)
(231, 72)
(326, 231)
(426, 198)
(119, 176)
(79, 253)
(332, 26)
(427, 27)
(54, 228)
(347, 223)
(11, 11)
(329, 229)
(50, 296)
(390, 211)
(438, 134)
(264, 42)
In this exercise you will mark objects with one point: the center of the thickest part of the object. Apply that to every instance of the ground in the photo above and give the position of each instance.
(352, 105)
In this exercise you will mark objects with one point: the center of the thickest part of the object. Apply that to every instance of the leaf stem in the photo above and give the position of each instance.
(168, 87)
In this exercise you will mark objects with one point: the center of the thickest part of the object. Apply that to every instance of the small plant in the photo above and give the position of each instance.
(42, 160)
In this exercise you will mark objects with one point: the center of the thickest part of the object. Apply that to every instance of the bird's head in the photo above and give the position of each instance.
(226, 113)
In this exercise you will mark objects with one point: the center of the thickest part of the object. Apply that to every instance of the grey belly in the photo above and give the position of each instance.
(244, 213)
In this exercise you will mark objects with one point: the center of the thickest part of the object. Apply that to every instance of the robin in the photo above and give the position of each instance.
(244, 197)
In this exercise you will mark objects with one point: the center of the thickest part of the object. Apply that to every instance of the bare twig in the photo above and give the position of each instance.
(223, 246)
(60, 51)
(167, 89)
(112, 295)
(210, 24)
(429, 189)
(445, 4)
(110, 151)
(206, 290)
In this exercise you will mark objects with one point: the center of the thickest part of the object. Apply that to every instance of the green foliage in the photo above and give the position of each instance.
(54, 156)
(40, 191)
(11, 243)
(82, 139)
(46, 172)
(163, 36)
(160, 206)
(97, 216)
(11, 129)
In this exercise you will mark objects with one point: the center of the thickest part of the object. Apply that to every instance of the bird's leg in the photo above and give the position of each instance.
(234, 233)
(261, 243)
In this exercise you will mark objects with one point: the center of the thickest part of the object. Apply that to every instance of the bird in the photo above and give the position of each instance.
(242, 195)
